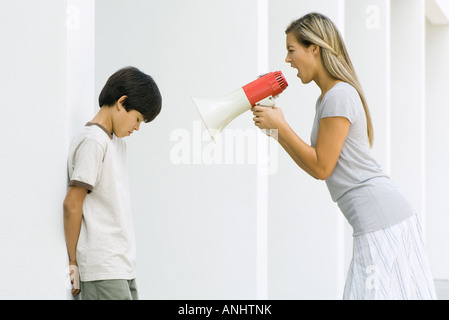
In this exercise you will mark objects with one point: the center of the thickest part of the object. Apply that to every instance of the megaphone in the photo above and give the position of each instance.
(218, 113)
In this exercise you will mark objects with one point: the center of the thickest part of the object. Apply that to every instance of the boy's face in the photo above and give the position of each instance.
(126, 122)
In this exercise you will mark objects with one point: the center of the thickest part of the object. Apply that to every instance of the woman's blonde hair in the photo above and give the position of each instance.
(317, 29)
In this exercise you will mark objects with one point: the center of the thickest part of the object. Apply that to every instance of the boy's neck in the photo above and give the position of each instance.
(104, 118)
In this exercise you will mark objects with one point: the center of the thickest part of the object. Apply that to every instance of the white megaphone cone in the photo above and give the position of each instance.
(218, 113)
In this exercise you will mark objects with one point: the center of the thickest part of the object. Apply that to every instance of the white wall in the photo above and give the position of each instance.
(195, 222)
(408, 139)
(201, 227)
(437, 132)
(80, 86)
(33, 157)
(367, 36)
(305, 234)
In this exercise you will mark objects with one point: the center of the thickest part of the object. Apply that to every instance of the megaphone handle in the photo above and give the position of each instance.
(269, 103)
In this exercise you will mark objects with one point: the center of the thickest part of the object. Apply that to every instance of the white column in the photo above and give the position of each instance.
(437, 135)
(262, 161)
(80, 76)
(33, 159)
(304, 226)
(80, 64)
(408, 117)
(367, 35)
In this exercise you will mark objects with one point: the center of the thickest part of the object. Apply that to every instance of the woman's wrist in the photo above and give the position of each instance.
(282, 131)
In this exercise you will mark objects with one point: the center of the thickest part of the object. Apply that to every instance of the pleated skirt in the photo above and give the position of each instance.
(390, 264)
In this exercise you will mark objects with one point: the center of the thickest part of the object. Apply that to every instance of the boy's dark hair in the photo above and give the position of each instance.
(142, 92)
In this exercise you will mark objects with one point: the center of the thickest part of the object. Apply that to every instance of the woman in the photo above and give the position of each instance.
(389, 260)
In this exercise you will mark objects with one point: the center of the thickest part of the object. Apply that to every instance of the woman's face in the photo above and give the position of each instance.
(301, 58)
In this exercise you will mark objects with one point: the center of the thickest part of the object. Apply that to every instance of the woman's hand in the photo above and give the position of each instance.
(268, 117)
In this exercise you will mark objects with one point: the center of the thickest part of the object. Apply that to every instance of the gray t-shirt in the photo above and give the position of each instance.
(363, 192)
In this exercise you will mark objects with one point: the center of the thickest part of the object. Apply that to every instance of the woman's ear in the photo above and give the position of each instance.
(315, 49)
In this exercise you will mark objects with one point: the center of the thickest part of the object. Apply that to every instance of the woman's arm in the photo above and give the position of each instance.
(293, 155)
(319, 162)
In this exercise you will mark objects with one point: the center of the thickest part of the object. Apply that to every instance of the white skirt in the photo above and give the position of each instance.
(390, 264)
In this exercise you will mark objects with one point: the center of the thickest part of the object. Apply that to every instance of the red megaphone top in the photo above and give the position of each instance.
(270, 84)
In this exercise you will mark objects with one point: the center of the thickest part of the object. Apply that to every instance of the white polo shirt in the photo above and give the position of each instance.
(106, 245)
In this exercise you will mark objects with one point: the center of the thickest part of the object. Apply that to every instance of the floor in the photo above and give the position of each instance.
(442, 289)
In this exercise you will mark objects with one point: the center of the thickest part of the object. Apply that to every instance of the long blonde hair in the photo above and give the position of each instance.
(317, 29)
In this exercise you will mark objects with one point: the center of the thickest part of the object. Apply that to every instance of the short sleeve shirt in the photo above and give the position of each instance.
(364, 193)
(106, 245)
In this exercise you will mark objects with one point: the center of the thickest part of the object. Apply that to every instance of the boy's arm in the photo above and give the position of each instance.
(73, 212)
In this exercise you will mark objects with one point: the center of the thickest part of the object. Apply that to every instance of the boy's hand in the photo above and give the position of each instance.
(75, 279)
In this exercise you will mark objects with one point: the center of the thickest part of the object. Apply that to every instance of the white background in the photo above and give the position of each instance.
(212, 231)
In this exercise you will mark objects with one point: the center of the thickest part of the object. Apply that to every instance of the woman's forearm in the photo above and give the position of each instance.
(303, 154)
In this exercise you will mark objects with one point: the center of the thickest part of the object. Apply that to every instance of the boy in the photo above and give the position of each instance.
(97, 211)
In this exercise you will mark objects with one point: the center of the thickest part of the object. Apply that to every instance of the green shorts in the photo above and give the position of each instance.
(116, 289)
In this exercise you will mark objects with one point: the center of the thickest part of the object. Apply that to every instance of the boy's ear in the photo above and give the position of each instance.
(121, 101)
